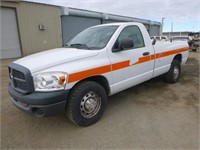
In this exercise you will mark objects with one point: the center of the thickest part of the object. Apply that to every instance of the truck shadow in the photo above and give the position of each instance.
(140, 93)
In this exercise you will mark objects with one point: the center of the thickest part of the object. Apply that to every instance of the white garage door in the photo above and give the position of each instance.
(9, 47)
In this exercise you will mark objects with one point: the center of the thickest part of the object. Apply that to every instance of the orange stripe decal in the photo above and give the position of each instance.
(143, 59)
(171, 52)
(87, 73)
(120, 65)
(153, 56)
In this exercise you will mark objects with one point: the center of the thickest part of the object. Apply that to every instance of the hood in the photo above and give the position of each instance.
(54, 57)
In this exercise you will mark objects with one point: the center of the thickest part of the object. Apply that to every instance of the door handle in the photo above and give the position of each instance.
(145, 53)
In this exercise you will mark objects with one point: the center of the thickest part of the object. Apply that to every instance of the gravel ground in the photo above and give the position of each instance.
(153, 115)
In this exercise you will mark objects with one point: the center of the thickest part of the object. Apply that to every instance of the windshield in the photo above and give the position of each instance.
(92, 38)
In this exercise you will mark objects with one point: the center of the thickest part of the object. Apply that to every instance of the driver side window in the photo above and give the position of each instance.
(133, 33)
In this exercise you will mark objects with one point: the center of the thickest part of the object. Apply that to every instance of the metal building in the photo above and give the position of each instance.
(170, 34)
(29, 27)
(75, 20)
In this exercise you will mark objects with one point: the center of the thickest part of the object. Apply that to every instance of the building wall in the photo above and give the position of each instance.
(154, 30)
(29, 16)
(76, 20)
(114, 21)
(59, 26)
(72, 25)
(110, 21)
(169, 34)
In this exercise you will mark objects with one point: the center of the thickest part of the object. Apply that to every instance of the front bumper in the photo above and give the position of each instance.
(39, 103)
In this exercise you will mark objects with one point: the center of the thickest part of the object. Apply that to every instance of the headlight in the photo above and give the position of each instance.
(50, 81)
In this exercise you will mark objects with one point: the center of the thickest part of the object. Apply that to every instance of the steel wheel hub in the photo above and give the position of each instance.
(90, 105)
(176, 72)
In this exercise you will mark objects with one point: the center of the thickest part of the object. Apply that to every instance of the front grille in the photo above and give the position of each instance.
(18, 74)
(18, 79)
(21, 78)
(19, 84)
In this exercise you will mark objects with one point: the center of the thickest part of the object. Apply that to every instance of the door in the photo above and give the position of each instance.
(72, 25)
(133, 65)
(10, 46)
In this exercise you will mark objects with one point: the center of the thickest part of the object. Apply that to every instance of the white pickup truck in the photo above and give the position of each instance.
(98, 62)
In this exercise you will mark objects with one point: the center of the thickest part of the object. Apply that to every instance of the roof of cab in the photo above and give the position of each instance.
(119, 24)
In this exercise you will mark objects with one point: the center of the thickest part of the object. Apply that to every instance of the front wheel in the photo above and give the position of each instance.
(86, 103)
(172, 76)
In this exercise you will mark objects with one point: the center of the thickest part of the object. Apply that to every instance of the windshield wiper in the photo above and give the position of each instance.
(78, 45)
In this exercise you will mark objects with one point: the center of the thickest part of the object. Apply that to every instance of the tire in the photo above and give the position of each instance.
(194, 50)
(198, 49)
(172, 76)
(86, 103)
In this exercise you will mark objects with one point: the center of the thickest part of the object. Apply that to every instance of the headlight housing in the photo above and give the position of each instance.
(50, 81)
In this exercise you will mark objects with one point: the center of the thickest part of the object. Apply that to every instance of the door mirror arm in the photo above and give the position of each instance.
(154, 42)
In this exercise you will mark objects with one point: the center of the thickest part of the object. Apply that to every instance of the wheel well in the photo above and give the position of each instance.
(101, 80)
(178, 57)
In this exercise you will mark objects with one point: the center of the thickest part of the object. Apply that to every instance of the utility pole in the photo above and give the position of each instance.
(172, 26)
(162, 26)
(171, 29)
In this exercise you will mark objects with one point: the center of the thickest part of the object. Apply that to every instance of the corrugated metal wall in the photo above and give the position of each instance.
(72, 25)
(33, 39)
(154, 30)
(76, 20)
(147, 27)
(29, 16)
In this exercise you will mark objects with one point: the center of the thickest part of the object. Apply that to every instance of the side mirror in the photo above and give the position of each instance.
(126, 44)
(123, 44)
(154, 42)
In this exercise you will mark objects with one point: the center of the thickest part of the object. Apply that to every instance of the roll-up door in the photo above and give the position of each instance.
(10, 45)
(72, 25)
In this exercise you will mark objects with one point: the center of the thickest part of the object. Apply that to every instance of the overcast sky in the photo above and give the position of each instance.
(185, 14)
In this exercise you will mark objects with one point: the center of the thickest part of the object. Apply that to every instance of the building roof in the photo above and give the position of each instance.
(95, 14)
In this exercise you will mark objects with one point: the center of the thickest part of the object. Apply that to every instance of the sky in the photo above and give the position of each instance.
(179, 15)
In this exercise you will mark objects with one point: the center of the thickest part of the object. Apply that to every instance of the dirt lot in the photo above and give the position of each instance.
(151, 115)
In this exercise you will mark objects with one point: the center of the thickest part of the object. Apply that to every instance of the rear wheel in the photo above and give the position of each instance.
(194, 50)
(198, 49)
(86, 103)
(172, 76)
